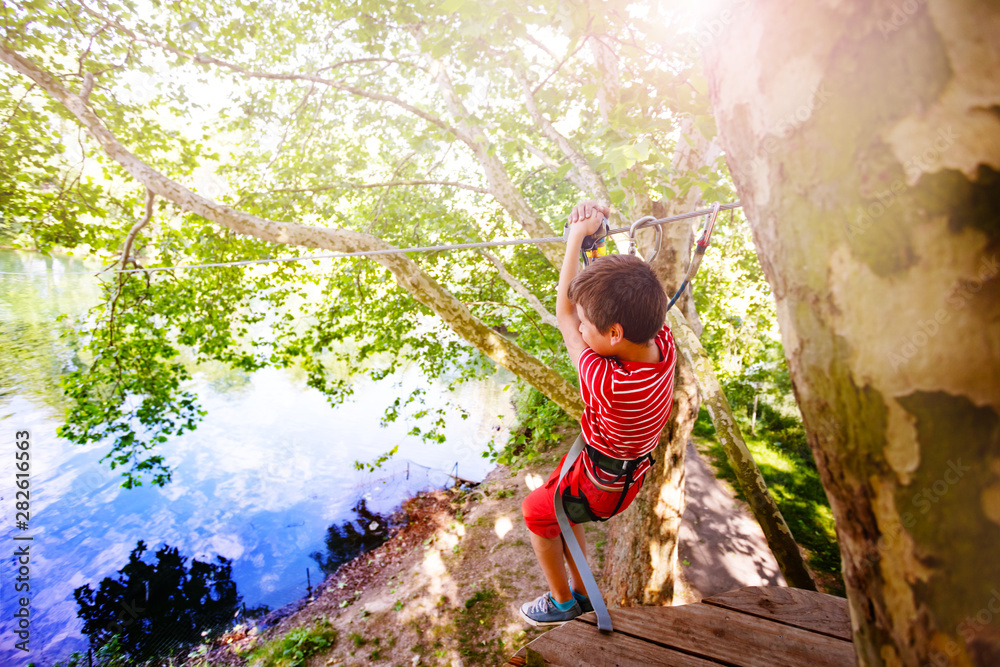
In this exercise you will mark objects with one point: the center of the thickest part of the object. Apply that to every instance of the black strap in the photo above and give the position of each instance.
(630, 469)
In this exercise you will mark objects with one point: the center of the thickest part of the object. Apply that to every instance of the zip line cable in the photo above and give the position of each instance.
(392, 251)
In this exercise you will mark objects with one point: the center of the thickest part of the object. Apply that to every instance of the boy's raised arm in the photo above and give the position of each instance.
(585, 219)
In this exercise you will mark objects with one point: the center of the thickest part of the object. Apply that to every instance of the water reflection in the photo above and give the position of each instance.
(32, 355)
(160, 607)
(347, 540)
(260, 481)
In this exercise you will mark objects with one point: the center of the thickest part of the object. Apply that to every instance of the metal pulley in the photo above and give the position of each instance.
(595, 245)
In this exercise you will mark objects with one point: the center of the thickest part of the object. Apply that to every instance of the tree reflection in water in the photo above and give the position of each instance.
(346, 541)
(151, 609)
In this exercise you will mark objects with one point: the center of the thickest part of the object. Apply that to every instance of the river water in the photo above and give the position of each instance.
(267, 472)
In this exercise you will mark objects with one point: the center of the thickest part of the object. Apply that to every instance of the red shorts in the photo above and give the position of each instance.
(539, 510)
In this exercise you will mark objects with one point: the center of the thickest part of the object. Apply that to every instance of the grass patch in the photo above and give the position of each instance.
(795, 485)
(478, 638)
(296, 647)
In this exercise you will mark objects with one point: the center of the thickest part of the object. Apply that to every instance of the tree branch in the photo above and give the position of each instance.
(147, 216)
(501, 186)
(518, 286)
(762, 504)
(377, 211)
(406, 272)
(284, 135)
(540, 45)
(609, 84)
(273, 76)
(595, 186)
(17, 107)
(388, 184)
(355, 61)
(552, 55)
(507, 305)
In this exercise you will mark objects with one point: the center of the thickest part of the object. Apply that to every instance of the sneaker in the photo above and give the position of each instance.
(542, 611)
(585, 605)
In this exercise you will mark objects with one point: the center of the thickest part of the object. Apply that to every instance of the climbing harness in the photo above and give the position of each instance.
(575, 507)
(570, 507)
(594, 246)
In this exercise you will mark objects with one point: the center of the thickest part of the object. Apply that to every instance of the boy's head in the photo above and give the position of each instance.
(621, 289)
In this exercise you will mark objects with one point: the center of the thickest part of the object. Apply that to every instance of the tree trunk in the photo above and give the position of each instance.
(641, 554)
(864, 139)
(641, 551)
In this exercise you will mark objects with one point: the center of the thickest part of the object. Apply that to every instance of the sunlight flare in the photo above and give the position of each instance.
(503, 526)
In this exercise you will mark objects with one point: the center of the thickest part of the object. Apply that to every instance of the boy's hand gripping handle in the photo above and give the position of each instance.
(591, 242)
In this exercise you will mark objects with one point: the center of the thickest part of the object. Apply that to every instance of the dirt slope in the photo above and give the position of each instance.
(445, 590)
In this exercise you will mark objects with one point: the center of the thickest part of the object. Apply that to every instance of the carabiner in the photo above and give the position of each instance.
(634, 229)
(706, 235)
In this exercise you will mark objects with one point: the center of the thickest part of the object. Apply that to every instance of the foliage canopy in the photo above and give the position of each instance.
(412, 123)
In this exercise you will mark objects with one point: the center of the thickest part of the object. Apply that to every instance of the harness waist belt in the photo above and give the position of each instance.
(617, 467)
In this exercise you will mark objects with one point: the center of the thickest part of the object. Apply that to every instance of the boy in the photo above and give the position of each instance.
(612, 319)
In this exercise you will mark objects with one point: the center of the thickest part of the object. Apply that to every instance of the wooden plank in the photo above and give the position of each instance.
(809, 610)
(731, 637)
(578, 643)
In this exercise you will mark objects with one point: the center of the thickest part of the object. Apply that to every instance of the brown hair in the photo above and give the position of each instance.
(621, 289)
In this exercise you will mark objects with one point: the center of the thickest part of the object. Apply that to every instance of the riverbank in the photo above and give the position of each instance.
(445, 588)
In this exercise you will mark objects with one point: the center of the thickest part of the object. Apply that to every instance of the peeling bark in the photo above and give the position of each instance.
(405, 271)
(864, 139)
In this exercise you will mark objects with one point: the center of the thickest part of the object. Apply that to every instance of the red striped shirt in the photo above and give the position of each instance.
(627, 404)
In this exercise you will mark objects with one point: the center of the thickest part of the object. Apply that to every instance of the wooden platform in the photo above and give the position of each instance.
(760, 625)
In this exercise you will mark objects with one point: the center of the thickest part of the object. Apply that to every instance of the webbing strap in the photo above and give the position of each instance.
(603, 618)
